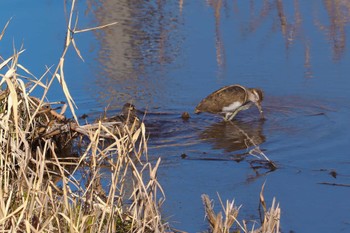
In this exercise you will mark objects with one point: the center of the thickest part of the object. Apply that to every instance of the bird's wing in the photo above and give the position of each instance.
(222, 98)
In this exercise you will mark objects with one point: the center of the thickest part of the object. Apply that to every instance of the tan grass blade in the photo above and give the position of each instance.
(77, 50)
(262, 199)
(4, 29)
(96, 28)
(38, 82)
(25, 69)
(69, 98)
(4, 63)
(12, 106)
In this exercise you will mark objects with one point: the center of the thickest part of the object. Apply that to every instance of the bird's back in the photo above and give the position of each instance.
(224, 97)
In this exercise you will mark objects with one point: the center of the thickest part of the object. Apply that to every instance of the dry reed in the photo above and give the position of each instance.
(39, 186)
(270, 222)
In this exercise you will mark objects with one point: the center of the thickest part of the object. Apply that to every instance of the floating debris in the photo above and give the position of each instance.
(185, 116)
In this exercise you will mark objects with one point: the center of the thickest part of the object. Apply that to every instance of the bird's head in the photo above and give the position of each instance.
(257, 97)
(258, 94)
(129, 109)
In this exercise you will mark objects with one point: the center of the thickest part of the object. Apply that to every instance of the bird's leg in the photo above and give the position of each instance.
(227, 116)
(232, 115)
(243, 107)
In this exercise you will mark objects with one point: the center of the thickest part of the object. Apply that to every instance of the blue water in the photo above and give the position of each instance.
(165, 58)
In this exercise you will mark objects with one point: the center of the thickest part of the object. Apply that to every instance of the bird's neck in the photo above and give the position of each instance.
(251, 96)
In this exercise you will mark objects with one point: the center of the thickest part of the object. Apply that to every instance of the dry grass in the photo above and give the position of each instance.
(217, 222)
(39, 188)
(270, 222)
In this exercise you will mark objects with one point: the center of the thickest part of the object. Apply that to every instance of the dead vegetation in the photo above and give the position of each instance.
(225, 223)
(46, 189)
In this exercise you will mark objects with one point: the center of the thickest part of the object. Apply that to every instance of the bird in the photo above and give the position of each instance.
(128, 117)
(230, 100)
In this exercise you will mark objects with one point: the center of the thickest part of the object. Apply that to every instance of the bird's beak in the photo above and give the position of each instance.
(262, 116)
(258, 105)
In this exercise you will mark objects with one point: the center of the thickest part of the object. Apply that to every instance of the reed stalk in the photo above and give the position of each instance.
(43, 187)
(228, 222)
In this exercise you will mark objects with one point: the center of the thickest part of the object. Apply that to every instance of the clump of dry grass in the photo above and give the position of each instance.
(219, 223)
(270, 223)
(39, 186)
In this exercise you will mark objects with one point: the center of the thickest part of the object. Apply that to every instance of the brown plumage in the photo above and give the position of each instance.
(230, 100)
(128, 117)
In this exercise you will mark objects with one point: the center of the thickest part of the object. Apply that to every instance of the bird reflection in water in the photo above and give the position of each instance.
(234, 135)
(237, 135)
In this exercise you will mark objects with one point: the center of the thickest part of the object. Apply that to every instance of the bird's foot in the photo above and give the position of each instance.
(230, 116)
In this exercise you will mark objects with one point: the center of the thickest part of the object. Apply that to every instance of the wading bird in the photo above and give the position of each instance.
(229, 100)
(128, 118)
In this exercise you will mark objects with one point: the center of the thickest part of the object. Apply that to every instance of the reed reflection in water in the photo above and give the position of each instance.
(134, 52)
(291, 21)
